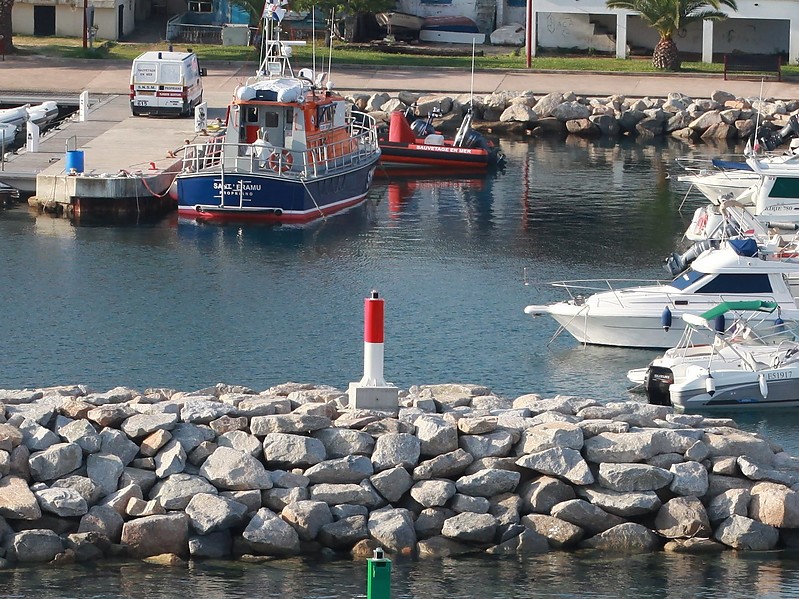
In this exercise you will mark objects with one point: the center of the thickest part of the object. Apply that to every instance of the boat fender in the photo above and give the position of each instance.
(665, 318)
(779, 225)
(280, 162)
(710, 385)
(761, 381)
(779, 324)
(720, 323)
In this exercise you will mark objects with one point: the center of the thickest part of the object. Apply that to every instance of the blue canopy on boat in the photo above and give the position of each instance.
(744, 247)
(730, 165)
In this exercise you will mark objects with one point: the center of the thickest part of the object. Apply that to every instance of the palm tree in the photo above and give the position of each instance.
(667, 17)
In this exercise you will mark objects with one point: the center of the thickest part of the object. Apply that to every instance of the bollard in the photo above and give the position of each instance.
(32, 137)
(372, 392)
(378, 576)
(83, 106)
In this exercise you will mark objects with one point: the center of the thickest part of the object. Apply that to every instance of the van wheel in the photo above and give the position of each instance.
(135, 112)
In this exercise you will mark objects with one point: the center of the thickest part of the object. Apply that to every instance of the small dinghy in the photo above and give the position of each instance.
(419, 144)
(745, 366)
(451, 29)
(43, 114)
(8, 134)
(14, 116)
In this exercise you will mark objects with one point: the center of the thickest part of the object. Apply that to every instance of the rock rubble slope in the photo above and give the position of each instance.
(722, 116)
(229, 472)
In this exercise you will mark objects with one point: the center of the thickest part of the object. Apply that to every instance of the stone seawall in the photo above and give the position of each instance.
(723, 116)
(229, 472)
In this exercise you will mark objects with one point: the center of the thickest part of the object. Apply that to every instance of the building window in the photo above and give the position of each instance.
(197, 6)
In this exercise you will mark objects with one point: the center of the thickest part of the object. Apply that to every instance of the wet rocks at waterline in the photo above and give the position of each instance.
(722, 116)
(230, 472)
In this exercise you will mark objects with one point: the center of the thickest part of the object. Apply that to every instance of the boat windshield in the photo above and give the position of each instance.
(686, 278)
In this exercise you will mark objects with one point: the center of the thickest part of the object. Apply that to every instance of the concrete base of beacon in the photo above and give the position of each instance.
(363, 397)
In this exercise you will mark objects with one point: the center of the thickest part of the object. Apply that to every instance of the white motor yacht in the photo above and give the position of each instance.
(719, 179)
(650, 315)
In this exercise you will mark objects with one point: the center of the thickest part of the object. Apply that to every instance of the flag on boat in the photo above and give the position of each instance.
(273, 11)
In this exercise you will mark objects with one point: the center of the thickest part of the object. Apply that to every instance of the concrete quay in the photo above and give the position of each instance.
(127, 163)
(130, 162)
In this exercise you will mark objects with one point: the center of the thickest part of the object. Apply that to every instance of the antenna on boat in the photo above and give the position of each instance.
(466, 123)
(471, 85)
(756, 146)
(330, 49)
(313, 38)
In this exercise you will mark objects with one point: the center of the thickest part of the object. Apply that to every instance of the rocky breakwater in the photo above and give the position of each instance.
(722, 116)
(228, 472)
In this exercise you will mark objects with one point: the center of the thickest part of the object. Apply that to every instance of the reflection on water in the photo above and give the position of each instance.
(556, 574)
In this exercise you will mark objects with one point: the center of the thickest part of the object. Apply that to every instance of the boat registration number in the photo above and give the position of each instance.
(778, 375)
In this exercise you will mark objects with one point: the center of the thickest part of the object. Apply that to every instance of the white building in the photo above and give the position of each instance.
(112, 18)
(757, 27)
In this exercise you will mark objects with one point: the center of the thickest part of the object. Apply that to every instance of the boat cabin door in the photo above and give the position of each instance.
(272, 123)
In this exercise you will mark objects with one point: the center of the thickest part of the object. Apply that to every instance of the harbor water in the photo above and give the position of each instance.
(178, 304)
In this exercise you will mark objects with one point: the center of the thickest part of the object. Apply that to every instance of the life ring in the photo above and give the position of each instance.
(280, 162)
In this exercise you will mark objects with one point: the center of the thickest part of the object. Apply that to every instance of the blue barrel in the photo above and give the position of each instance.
(74, 160)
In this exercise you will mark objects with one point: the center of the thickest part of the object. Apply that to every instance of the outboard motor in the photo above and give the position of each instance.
(656, 383)
(473, 139)
(770, 142)
(422, 128)
(677, 263)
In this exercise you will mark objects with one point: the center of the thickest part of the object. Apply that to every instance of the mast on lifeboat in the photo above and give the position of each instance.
(275, 53)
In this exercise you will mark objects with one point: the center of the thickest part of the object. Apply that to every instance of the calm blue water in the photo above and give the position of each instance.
(185, 305)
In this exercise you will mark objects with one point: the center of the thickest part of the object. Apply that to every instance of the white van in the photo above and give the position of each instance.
(165, 83)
